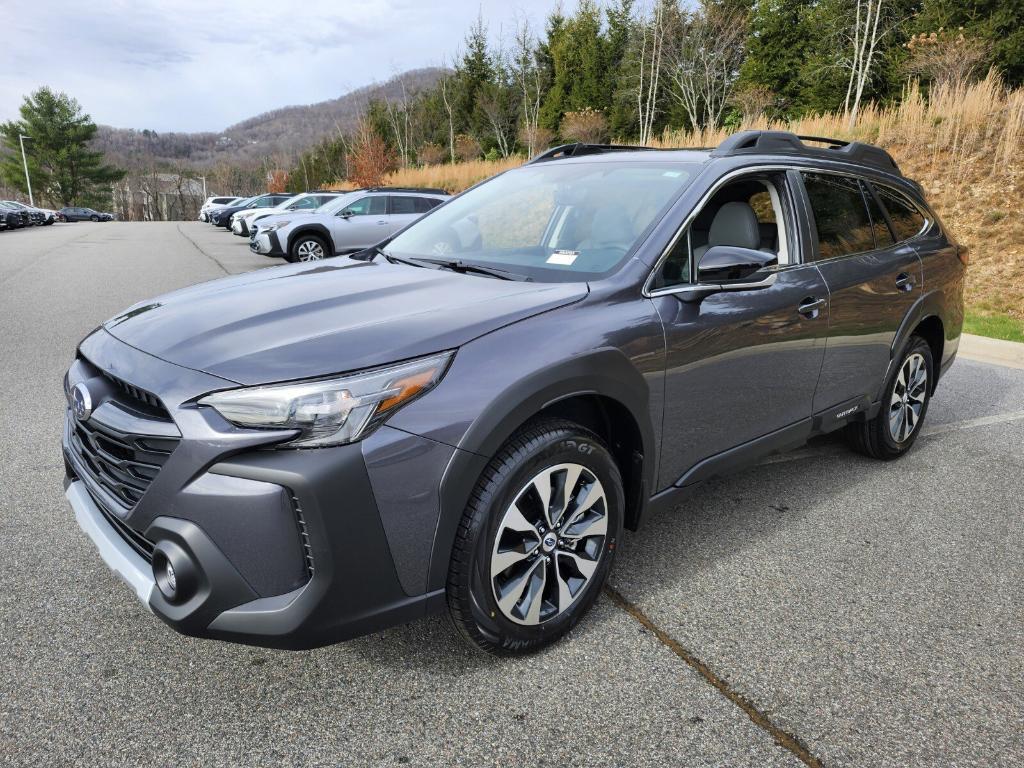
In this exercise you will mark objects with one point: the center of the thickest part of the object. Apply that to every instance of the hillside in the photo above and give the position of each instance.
(280, 133)
(965, 144)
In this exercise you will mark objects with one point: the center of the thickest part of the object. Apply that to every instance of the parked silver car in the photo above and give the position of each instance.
(306, 202)
(349, 223)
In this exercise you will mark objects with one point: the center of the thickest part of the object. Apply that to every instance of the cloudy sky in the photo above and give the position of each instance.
(196, 66)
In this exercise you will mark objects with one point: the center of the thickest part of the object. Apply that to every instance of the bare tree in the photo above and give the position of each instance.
(752, 101)
(865, 35)
(529, 77)
(498, 100)
(946, 56)
(447, 98)
(702, 62)
(651, 43)
(586, 125)
(399, 120)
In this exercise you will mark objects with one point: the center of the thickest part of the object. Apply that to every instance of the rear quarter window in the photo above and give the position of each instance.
(907, 220)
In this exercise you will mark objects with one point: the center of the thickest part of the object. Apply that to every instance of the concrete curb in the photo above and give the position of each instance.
(995, 351)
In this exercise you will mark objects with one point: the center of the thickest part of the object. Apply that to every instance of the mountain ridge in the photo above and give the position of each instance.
(277, 135)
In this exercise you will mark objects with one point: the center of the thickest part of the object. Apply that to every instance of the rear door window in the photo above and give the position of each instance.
(840, 215)
(907, 220)
(401, 204)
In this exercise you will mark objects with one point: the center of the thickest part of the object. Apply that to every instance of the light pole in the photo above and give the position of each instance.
(24, 160)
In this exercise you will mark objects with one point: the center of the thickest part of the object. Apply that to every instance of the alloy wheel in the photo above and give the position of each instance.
(908, 397)
(549, 543)
(309, 250)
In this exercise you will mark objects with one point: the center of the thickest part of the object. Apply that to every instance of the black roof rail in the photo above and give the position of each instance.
(578, 148)
(786, 143)
(424, 190)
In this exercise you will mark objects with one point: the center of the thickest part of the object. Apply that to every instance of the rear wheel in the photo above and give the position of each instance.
(904, 404)
(307, 248)
(537, 539)
(94, 218)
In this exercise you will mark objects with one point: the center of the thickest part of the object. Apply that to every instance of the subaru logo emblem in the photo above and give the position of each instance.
(81, 402)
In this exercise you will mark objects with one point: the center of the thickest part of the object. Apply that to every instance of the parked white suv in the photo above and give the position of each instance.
(215, 202)
(307, 202)
(351, 222)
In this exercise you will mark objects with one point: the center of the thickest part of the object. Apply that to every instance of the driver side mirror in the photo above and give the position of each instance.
(346, 214)
(730, 268)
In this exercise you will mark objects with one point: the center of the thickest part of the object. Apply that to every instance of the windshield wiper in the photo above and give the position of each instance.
(465, 266)
(369, 254)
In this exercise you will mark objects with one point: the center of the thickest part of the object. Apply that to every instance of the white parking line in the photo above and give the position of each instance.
(938, 429)
(984, 421)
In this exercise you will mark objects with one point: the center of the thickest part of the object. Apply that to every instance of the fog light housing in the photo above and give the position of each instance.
(175, 574)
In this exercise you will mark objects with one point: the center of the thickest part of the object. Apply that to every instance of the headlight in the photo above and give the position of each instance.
(275, 226)
(331, 411)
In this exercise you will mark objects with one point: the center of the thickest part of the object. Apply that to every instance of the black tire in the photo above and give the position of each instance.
(875, 438)
(471, 597)
(302, 239)
(94, 218)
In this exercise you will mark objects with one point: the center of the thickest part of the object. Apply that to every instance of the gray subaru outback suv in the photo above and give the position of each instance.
(467, 415)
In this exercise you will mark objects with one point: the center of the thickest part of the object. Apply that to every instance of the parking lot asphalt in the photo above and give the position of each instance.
(820, 608)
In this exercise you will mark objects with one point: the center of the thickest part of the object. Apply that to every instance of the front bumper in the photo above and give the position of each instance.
(280, 548)
(239, 227)
(115, 551)
(267, 244)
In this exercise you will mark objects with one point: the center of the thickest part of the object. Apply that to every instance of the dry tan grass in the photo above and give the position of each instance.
(964, 144)
(453, 178)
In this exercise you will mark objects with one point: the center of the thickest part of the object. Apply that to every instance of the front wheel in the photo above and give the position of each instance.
(307, 248)
(904, 405)
(94, 218)
(537, 539)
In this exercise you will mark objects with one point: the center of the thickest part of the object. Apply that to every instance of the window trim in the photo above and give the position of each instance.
(796, 254)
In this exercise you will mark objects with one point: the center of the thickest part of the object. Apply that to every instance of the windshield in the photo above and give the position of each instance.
(557, 222)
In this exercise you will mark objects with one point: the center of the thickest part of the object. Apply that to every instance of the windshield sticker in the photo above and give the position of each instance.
(563, 257)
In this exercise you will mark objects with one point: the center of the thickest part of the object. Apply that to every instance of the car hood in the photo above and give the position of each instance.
(307, 320)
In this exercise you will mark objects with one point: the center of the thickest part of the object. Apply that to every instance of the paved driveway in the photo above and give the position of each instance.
(818, 608)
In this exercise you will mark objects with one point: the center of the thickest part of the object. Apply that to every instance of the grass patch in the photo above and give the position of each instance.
(994, 326)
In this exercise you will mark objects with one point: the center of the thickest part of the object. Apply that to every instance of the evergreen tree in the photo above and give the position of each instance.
(578, 61)
(778, 48)
(473, 72)
(622, 119)
(63, 168)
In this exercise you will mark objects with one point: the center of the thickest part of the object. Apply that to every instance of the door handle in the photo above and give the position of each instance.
(811, 307)
(904, 282)
(381, 222)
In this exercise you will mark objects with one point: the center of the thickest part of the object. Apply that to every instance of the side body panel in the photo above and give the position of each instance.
(739, 365)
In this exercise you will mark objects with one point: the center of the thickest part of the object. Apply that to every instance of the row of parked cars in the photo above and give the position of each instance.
(310, 226)
(15, 215)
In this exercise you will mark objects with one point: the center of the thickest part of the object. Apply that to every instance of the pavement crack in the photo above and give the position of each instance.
(781, 737)
(199, 248)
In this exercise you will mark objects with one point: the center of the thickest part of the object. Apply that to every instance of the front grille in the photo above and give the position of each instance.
(139, 395)
(133, 538)
(122, 463)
